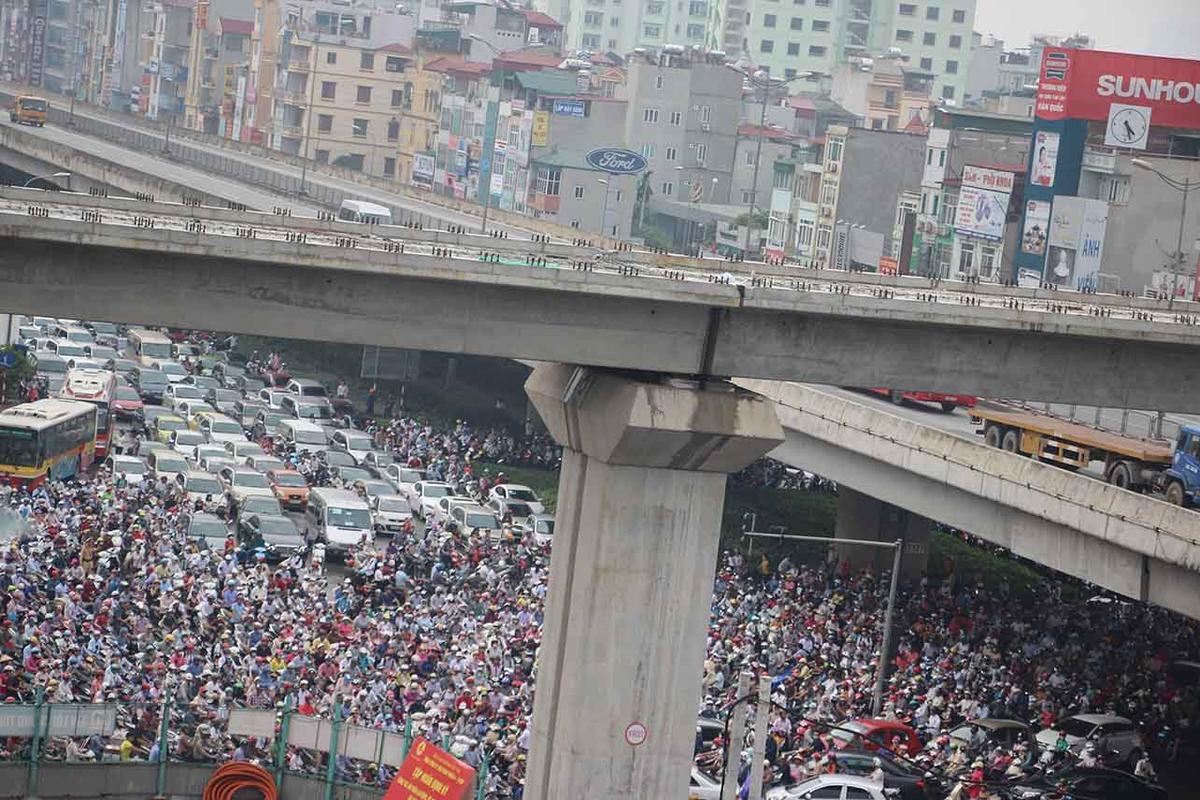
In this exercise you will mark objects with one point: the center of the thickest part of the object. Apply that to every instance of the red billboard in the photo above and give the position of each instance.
(1083, 84)
(430, 773)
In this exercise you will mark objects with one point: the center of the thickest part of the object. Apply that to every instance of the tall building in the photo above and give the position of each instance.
(819, 35)
(620, 26)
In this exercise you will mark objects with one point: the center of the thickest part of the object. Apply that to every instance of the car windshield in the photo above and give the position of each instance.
(51, 365)
(313, 390)
(169, 424)
(358, 442)
(348, 517)
(315, 411)
(545, 526)
(130, 466)
(147, 378)
(393, 504)
(430, 490)
(226, 395)
(171, 368)
(289, 479)
(382, 459)
(127, 393)
(522, 494)
(68, 348)
(190, 392)
(353, 474)
(208, 528)
(279, 526)
(480, 520)
(1073, 726)
(261, 505)
(310, 437)
(203, 484)
(410, 475)
(845, 733)
(225, 426)
(519, 509)
(188, 438)
(252, 384)
(170, 464)
(251, 480)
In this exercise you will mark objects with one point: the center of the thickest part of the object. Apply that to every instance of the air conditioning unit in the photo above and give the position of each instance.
(832, 168)
(826, 211)
(704, 126)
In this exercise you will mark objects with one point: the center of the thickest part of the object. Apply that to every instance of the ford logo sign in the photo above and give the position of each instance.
(616, 160)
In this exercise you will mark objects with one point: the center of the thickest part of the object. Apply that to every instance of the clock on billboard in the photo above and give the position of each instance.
(1128, 126)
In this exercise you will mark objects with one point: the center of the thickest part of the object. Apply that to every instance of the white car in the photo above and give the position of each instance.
(174, 371)
(540, 525)
(238, 450)
(134, 468)
(703, 786)
(389, 513)
(184, 442)
(832, 787)
(425, 496)
(404, 479)
(446, 504)
(271, 397)
(515, 491)
(199, 485)
(470, 518)
(356, 443)
(242, 483)
(189, 408)
(220, 429)
(178, 392)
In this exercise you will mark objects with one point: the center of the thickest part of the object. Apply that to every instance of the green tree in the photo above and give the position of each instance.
(10, 379)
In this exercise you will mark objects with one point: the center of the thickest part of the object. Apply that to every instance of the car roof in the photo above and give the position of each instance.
(996, 724)
(838, 780)
(203, 516)
(1100, 719)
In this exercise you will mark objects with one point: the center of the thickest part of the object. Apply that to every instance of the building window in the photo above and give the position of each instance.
(929, 157)
(667, 188)
(658, 82)
(793, 49)
(359, 127)
(389, 167)
(821, 3)
(820, 26)
(747, 197)
(366, 61)
(767, 46)
(331, 58)
(363, 95)
(676, 117)
(322, 156)
(927, 64)
(749, 158)
(804, 234)
(548, 180)
(654, 7)
(966, 259)
(941, 158)
(393, 132)
(833, 150)
(960, 16)
(697, 9)
(948, 92)
(614, 22)
(903, 35)
(328, 90)
(669, 153)
(949, 209)
(934, 209)
(824, 233)
(593, 18)
(929, 40)
(578, 192)
(393, 64)
(705, 114)
(952, 67)
(987, 262)
(397, 98)
(816, 51)
(768, 20)
(701, 153)
(649, 115)
(324, 123)
(648, 151)
(908, 10)
(956, 42)
(590, 41)
(828, 193)
(932, 13)
(652, 31)
(797, 23)
(695, 31)
(1114, 189)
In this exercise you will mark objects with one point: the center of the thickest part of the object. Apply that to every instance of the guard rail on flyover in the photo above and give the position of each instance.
(161, 263)
(1130, 543)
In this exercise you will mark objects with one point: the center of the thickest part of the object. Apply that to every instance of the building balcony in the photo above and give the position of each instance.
(295, 98)
(292, 131)
(1100, 161)
(298, 65)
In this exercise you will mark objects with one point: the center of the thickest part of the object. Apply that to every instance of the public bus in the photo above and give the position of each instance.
(149, 346)
(50, 439)
(98, 387)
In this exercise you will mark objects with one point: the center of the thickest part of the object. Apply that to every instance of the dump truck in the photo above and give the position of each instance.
(1141, 465)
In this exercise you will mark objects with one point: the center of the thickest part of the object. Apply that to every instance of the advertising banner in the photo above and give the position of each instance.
(983, 202)
(1045, 159)
(568, 108)
(1083, 84)
(1076, 242)
(1037, 225)
(430, 773)
(37, 40)
(541, 128)
(422, 170)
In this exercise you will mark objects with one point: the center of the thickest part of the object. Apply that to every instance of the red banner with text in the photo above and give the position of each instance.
(430, 773)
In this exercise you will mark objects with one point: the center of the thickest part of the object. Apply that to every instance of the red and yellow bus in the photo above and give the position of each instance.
(51, 439)
(98, 387)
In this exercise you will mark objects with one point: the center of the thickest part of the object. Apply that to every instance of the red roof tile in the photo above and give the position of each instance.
(540, 20)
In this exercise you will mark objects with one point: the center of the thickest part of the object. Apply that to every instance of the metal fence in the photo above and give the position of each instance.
(78, 750)
(1125, 421)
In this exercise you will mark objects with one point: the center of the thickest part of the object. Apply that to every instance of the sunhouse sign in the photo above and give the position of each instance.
(1083, 84)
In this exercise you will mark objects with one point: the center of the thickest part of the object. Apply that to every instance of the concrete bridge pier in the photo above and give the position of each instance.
(860, 516)
(640, 499)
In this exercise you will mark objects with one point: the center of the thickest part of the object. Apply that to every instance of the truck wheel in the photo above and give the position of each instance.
(948, 407)
(1175, 493)
(1121, 476)
(1011, 441)
(992, 435)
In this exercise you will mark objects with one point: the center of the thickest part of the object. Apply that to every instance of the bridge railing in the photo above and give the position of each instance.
(125, 750)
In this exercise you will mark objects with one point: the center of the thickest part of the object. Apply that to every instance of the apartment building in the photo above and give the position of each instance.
(884, 94)
(620, 26)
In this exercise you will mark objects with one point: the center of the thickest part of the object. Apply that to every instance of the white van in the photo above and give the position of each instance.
(362, 211)
(356, 443)
(305, 436)
(339, 518)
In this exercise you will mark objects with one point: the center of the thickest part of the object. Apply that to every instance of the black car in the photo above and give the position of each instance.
(1088, 783)
(276, 535)
(910, 781)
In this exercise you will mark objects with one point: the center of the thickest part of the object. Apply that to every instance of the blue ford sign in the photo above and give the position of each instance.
(616, 160)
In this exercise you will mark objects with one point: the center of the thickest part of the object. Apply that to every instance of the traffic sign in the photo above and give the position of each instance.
(8, 360)
(635, 734)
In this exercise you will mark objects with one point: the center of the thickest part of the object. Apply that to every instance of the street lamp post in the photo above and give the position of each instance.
(45, 177)
(1184, 187)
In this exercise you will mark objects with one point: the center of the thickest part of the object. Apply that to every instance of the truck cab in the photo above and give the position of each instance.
(1183, 478)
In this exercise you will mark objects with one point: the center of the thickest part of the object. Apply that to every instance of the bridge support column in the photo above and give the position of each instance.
(637, 529)
(860, 516)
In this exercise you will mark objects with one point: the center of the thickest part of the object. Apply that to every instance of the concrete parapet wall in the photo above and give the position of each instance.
(1131, 543)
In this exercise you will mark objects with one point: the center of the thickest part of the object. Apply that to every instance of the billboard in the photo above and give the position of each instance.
(422, 170)
(37, 40)
(1076, 242)
(983, 202)
(1037, 224)
(1083, 84)
(429, 772)
(1044, 158)
(541, 128)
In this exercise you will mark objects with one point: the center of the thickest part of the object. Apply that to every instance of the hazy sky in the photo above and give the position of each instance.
(1156, 27)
